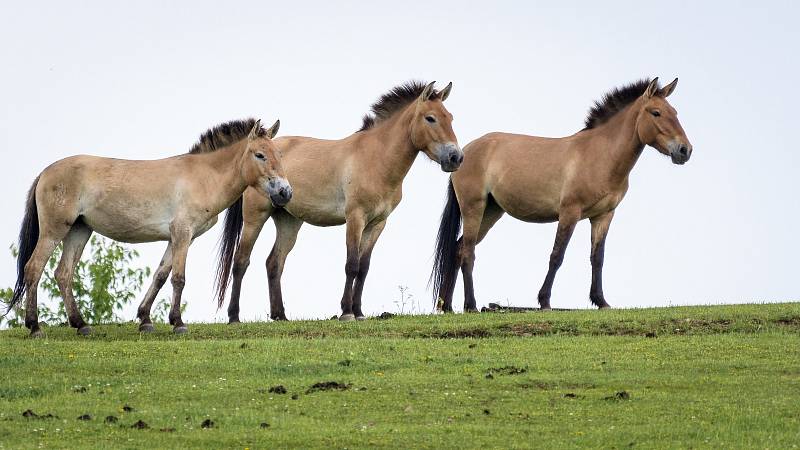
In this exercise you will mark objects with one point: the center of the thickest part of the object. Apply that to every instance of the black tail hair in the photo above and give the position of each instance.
(445, 262)
(228, 244)
(28, 237)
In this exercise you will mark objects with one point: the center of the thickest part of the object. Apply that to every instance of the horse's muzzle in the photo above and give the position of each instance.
(280, 192)
(680, 153)
(450, 157)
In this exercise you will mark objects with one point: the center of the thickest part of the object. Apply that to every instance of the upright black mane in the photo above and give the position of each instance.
(395, 100)
(225, 134)
(614, 102)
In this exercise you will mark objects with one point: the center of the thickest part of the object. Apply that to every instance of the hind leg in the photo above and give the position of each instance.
(181, 238)
(74, 243)
(491, 214)
(254, 221)
(286, 228)
(48, 239)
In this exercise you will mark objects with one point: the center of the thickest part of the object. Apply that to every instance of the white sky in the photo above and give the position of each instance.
(143, 81)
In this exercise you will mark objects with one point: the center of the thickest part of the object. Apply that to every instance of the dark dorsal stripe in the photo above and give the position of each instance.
(614, 102)
(225, 134)
(393, 101)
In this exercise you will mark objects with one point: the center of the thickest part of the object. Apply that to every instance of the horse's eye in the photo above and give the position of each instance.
(260, 155)
(430, 119)
(656, 113)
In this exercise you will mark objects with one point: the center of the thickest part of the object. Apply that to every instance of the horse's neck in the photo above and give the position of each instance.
(390, 152)
(226, 166)
(625, 145)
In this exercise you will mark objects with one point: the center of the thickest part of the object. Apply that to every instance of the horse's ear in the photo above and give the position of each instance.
(273, 130)
(668, 89)
(652, 88)
(446, 91)
(254, 131)
(426, 93)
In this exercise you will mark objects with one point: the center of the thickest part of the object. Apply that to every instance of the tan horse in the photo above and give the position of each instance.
(174, 199)
(544, 180)
(355, 181)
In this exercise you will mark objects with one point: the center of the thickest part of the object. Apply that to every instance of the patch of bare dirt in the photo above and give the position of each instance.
(328, 386)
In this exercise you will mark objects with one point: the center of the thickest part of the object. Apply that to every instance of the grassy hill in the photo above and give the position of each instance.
(687, 377)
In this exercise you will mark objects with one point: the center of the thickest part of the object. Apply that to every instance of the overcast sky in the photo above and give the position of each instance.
(142, 81)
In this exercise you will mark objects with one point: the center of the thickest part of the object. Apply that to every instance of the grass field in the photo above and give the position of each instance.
(687, 377)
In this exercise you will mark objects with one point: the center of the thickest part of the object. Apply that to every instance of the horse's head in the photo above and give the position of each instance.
(432, 129)
(262, 166)
(658, 125)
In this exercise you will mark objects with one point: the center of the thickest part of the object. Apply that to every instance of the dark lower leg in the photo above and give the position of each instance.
(448, 286)
(274, 273)
(178, 282)
(33, 273)
(600, 226)
(358, 289)
(160, 277)
(596, 291)
(63, 276)
(239, 269)
(351, 271)
(467, 264)
(563, 236)
(32, 309)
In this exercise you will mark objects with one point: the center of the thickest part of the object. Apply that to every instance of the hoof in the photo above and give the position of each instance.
(606, 306)
(233, 320)
(545, 308)
(146, 328)
(471, 311)
(85, 330)
(180, 329)
(347, 317)
(361, 318)
(37, 334)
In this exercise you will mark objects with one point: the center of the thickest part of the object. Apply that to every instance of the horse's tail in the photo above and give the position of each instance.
(28, 237)
(445, 262)
(228, 243)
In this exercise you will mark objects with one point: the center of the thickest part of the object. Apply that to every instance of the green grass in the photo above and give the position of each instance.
(695, 377)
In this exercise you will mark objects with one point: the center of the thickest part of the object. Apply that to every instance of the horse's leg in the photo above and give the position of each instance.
(253, 223)
(491, 215)
(181, 238)
(74, 243)
(355, 229)
(473, 213)
(600, 226)
(368, 240)
(159, 278)
(567, 219)
(48, 239)
(286, 228)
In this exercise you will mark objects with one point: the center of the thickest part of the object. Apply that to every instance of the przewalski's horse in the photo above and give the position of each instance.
(174, 199)
(544, 180)
(355, 181)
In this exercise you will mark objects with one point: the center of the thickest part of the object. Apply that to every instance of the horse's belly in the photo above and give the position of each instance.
(317, 211)
(122, 228)
(528, 205)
